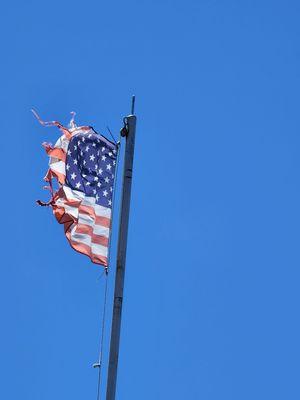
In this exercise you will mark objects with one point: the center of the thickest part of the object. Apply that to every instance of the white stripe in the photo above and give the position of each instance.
(102, 211)
(62, 143)
(58, 166)
(73, 194)
(73, 211)
(96, 249)
(89, 201)
(101, 230)
(86, 219)
(81, 237)
(79, 129)
(99, 250)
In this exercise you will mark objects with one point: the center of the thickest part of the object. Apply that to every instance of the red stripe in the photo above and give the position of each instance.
(88, 230)
(99, 220)
(87, 210)
(57, 153)
(103, 221)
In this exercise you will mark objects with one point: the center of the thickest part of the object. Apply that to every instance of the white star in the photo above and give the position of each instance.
(109, 202)
(68, 167)
(92, 157)
(78, 142)
(90, 135)
(96, 178)
(114, 163)
(97, 197)
(75, 147)
(111, 189)
(114, 151)
(98, 153)
(106, 179)
(98, 184)
(103, 149)
(81, 153)
(105, 193)
(84, 175)
(75, 161)
(103, 158)
(96, 166)
(78, 184)
(94, 191)
(94, 144)
(87, 148)
(83, 139)
(84, 162)
(73, 176)
(100, 171)
(110, 154)
(69, 153)
(88, 183)
(108, 167)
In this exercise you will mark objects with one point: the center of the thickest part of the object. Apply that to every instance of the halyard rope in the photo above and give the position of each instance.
(102, 336)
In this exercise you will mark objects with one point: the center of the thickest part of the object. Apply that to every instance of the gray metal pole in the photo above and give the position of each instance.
(129, 132)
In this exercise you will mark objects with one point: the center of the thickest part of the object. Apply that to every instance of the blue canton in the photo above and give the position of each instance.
(90, 166)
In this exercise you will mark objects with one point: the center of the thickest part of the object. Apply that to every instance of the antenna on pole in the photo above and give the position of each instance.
(132, 104)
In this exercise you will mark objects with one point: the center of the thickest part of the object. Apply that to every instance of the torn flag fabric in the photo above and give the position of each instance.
(84, 164)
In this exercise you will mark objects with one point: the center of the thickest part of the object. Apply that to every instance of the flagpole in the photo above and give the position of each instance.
(129, 132)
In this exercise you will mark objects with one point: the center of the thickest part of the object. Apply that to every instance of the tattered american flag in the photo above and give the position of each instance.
(84, 164)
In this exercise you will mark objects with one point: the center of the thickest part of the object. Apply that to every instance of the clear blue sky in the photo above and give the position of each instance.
(211, 308)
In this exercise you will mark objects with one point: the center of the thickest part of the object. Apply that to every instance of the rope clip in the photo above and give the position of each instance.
(124, 130)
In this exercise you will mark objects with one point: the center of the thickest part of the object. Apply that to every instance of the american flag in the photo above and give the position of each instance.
(84, 164)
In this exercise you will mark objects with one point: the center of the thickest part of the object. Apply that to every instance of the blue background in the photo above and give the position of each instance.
(211, 306)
